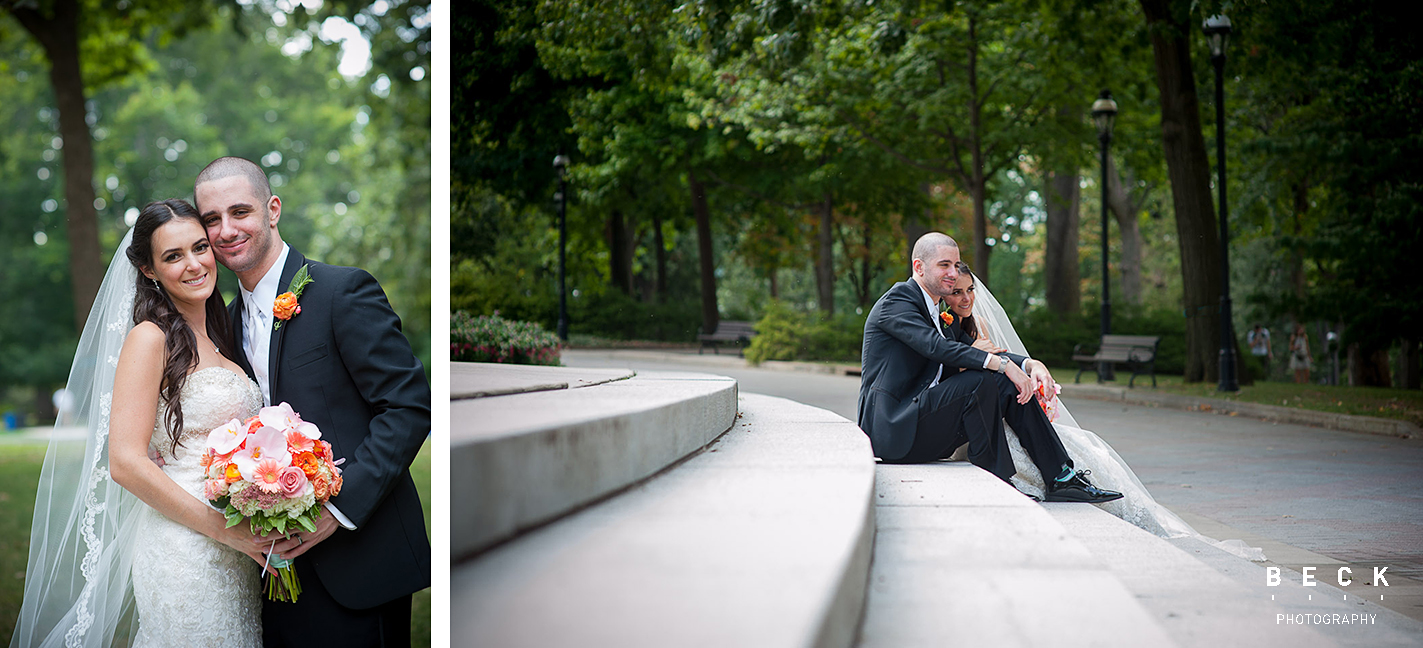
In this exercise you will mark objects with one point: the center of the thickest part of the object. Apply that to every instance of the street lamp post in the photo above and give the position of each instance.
(561, 163)
(1104, 113)
(1217, 30)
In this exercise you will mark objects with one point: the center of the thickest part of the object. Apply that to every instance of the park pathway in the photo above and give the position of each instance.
(1308, 496)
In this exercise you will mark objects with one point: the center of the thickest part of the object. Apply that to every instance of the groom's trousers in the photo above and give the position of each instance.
(963, 407)
(318, 620)
(1034, 431)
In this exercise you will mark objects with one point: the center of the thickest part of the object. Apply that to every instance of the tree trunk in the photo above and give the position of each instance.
(58, 34)
(710, 316)
(978, 184)
(1125, 209)
(1301, 203)
(620, 250)
(1064, 281)
(1368, 368)
(1189, 172)
(914, 228)
(825, 257)
(1408, 364)
(661, 255)
(775, 289)
(866, 262)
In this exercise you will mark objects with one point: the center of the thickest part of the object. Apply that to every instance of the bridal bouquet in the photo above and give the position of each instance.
(275, 471)
(1049, 402)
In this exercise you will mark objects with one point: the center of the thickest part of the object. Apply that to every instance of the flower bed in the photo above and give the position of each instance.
(495, 339)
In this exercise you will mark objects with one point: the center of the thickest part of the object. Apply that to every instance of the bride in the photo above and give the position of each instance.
(123, 523)
(986, 326)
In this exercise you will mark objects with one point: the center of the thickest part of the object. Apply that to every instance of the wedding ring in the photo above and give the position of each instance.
(299, 540)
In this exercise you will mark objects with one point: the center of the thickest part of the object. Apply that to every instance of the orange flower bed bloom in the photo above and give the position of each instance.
(285, 306)
(232, 474)
(322, 487)
(206, 459)
(948, 318)
(253, 424)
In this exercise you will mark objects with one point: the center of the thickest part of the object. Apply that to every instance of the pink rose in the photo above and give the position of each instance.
(292, 481)
(214, 488)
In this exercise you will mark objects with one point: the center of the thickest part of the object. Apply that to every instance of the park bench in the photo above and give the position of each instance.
(728, 331)
(1136, 351)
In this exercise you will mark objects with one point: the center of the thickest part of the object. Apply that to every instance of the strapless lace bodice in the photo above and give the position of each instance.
(190, 589)
(211, 397)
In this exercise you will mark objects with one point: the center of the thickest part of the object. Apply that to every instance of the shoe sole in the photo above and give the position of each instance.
(1084, 500)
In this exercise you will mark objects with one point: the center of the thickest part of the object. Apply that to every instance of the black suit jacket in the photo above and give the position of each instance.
(343, 364)
(902, 352)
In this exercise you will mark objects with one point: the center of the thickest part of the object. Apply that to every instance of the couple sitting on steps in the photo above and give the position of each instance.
(935, 385)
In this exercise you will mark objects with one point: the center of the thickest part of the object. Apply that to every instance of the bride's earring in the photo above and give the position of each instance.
(155, 284)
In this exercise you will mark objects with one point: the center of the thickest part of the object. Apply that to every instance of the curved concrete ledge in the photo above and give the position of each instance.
(962, 558)
(763, 539)
(520, 460)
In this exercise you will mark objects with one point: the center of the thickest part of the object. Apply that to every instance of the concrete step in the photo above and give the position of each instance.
(525, 458)
(484, 379)
(962, 558)
(762, 539)
(1204, 597)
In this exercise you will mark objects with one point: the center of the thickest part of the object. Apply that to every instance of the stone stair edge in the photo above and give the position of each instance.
(526, 476)
(826, 611)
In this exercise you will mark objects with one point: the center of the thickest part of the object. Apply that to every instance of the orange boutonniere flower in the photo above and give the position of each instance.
(947, 318)
(286, 305)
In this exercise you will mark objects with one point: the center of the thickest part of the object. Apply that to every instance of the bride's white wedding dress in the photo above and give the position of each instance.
(188, 588)
(1088, 452)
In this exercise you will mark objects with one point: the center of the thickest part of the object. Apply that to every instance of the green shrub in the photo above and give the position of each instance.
(786, 334)
(614, 315)
(1050, 337)
(495, 339)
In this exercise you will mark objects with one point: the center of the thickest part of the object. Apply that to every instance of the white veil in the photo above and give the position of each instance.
(78, 590)
(1089, 451)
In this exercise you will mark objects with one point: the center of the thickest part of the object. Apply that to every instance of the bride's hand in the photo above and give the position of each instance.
(240, 537)
(985, 344)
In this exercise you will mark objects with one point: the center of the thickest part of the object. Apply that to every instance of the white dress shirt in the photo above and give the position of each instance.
(257, 328)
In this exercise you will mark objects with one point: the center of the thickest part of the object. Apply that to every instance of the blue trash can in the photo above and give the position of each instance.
(12, 420)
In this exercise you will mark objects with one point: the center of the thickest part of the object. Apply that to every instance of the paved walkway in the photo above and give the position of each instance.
(1309, 496)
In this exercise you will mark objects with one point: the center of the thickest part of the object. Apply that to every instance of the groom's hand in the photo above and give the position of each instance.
(1020, 380)
(303, 541)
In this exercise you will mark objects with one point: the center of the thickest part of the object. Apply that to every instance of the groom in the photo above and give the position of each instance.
(341, 361)
(917, 406)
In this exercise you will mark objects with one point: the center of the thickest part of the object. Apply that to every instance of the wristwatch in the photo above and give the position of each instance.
(1003, 364)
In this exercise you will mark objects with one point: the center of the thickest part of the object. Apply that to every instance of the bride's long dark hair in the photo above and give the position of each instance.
(152, 304)
(969, 324)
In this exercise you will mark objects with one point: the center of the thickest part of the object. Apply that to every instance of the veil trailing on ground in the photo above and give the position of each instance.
(1089, 451)
(78, 589)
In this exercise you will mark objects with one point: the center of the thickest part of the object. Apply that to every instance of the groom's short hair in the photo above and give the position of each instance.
(928, 243)
(224, 167)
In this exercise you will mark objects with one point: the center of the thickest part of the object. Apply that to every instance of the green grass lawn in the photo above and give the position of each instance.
(19, 472)
(1400, 404)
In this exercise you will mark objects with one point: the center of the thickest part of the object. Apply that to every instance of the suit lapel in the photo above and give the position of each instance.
(294, 262)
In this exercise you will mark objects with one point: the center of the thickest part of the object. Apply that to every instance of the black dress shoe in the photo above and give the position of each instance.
(1078, 489)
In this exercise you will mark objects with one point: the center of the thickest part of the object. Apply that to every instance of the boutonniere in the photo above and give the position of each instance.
(286, 305)
(946, 317)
